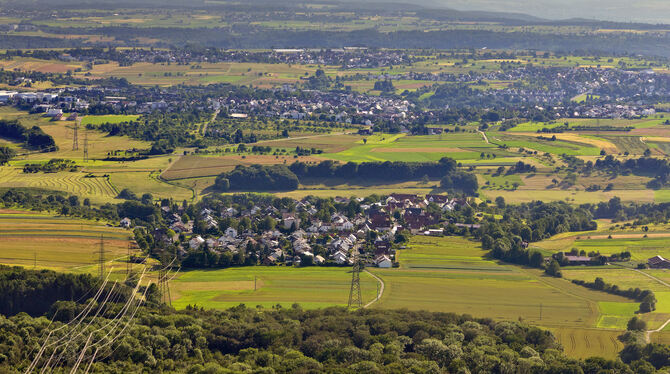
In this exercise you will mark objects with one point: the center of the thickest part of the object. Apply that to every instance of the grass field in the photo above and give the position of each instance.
(451, 275)
(98, 120)
(617, 315)
(57, 243)
(459, 146)
(311, 287)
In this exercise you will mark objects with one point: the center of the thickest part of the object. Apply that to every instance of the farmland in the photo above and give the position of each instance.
(433, 270)
(30, 239)
(268, 286)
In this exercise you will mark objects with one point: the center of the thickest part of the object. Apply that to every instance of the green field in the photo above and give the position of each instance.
(617, 315)
(459, 146)
(451, 275)
(98, 120)
(311, 287)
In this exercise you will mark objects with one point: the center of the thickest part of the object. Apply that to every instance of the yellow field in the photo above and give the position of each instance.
(98, 189)
(59, 243)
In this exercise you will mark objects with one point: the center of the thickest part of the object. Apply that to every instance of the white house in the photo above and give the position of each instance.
(196, 242)
(126, 222)
(383, 261)
(290, 220)
(231, 232)
(340, 257)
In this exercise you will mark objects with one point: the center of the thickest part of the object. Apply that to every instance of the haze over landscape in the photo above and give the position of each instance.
(333, 186)
(645, 11)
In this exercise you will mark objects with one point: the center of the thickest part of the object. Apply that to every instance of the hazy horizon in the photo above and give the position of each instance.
(646, 11)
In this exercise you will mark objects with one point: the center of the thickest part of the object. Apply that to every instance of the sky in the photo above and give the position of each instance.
(647, 11)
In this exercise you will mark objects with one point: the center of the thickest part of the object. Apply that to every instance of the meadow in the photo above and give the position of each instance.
(452, 274)
(311, 287)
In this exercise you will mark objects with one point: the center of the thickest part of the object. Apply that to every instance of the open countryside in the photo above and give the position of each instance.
(306, 187)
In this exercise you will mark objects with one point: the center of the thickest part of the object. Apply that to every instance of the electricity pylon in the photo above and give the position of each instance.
(355, 300)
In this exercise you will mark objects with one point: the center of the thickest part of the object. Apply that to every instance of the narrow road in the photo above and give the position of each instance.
(381, 289)
(484, 136)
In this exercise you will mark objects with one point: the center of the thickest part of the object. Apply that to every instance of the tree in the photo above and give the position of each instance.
(636, 324)
(500, 202)
(554, 269)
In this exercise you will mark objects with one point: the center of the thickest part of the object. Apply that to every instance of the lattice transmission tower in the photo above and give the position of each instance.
(75, 135)
(85, 146)
(355, 300)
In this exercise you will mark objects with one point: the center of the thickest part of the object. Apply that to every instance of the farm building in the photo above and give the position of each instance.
(383, 261)
(658, 262)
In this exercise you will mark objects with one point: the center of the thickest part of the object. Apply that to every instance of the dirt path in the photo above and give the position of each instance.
(484, 136)
(381, 289)
(204, 128)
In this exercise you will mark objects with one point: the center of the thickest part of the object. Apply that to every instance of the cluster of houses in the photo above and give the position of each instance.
(303, 233)
(345, 107)
(347, 57)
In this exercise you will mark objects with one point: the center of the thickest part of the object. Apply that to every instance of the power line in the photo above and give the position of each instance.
(101, 258)
(85, 146)
(75, 136)
(355, 292)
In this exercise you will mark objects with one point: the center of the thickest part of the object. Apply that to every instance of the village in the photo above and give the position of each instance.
(301, 235)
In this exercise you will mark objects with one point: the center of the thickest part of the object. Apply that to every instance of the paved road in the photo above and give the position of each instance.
(381, 289)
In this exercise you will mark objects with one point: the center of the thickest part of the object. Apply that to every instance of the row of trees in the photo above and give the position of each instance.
(646, 298)
(394, 171)
(281, 177)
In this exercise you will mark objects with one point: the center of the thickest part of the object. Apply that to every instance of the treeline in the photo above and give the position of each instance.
(33, 137)
(508, 239)
(52, 201)
(391, 171)
(258, 37)
(657, 168)
(143, 212)
(646, 298)
(281, 177)
(52, 166)
(34, 292)
(258, 178)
